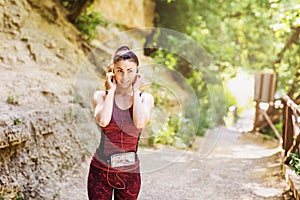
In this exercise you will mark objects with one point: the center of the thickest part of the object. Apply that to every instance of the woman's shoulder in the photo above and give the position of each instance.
(147, 96)
(99, 94)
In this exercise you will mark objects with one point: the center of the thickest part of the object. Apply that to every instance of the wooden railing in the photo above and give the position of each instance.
(291, 141)
(290, 129)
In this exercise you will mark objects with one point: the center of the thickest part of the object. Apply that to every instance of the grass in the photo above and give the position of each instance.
(14, 100)
(56, 194)
(17, 121)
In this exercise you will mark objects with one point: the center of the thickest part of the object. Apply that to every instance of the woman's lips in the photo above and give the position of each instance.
(125, 82)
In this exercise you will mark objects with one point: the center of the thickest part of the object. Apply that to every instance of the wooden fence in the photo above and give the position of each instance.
(291, 141)
(290, 128)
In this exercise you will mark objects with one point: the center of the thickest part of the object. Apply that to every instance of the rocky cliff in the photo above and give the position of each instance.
(129, 13)
(47, 133)
(39, 146)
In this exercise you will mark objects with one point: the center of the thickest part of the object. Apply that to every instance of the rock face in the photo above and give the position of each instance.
(130, 13)
(48, 75)
(131, 18)
(41, 144)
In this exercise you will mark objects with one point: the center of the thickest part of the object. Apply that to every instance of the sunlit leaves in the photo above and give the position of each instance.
(241, 33)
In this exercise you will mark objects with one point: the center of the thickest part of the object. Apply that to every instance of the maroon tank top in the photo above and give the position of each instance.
(120, 135)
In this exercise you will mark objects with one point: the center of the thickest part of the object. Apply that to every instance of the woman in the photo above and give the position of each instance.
(121, 111)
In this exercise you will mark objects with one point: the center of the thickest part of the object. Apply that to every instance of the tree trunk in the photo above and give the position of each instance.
(77, 9)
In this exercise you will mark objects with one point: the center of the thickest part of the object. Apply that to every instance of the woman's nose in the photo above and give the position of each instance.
(125, 75)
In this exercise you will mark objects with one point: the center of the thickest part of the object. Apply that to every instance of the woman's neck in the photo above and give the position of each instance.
(124, 91)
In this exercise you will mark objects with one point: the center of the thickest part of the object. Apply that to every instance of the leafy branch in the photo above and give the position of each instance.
(291, 41)
(294, 162)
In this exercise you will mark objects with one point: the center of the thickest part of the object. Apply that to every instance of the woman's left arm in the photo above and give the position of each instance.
(142, 106)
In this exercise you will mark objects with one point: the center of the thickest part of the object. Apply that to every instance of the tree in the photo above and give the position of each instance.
(75, 7)
(257, 35)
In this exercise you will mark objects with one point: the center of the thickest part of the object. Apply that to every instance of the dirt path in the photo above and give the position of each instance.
(241, 166)
(238, 168)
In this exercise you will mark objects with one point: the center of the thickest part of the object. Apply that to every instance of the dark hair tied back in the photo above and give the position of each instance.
(124, 53)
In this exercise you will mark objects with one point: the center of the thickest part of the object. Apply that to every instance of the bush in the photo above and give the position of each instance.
(87, 23)
(295, 162)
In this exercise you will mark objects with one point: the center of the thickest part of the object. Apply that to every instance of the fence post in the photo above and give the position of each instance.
(264, 90)
(284, 111)
(288, 128)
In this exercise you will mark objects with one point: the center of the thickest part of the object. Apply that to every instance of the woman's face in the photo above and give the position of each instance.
(125, 72)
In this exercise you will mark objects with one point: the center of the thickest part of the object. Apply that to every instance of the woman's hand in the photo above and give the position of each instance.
(137, 82)
(111, 81)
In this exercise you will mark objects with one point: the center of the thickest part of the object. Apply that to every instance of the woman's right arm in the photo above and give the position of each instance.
(103, 105)
(103, 102)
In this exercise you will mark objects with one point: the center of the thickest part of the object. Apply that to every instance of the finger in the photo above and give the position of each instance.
(109, 75)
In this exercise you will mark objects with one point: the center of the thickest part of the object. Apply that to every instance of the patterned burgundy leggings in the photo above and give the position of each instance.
(103, 181)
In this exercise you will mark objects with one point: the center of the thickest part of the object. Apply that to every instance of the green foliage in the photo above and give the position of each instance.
(286, 20)
(161, 96)
(255, 35)
(247, 33)
(77, 100)
(66, 166)
(177, 131)
(168, 133)
(83, 16)
(24, 39)
(187, 132)
(88, 21)
(21, 196)
(230, 99)
(174, 128)
(212, 108)
(13, 100)
(268, 133)
(170, 126)
(231, 103)
(295, 162)
(56, 195)
(17, 121)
